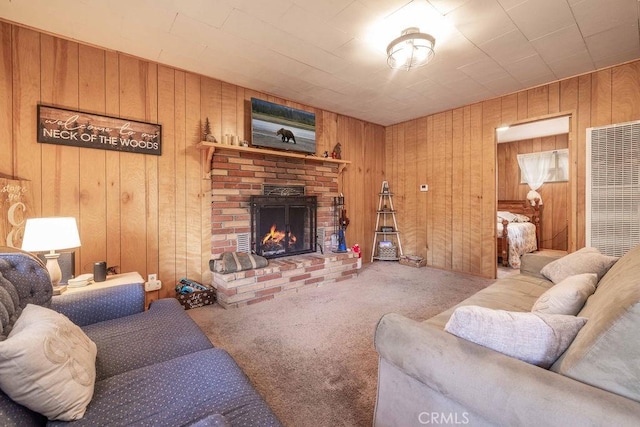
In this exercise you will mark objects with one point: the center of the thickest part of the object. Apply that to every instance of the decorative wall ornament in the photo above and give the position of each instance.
(86, 130)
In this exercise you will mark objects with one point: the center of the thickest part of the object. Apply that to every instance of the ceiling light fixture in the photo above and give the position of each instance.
(411, 50)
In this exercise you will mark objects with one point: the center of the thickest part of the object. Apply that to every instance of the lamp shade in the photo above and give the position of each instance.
(411, 50)
(50, 234)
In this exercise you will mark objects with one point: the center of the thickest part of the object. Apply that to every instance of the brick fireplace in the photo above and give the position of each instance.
(237, 175)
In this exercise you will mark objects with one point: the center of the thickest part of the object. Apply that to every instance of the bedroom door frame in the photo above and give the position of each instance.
(575, 210)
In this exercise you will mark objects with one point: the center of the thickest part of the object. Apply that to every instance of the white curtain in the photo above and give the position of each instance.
(535, 169)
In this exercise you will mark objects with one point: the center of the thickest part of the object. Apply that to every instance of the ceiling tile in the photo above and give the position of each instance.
(572, 65)
(536, 18)
(503, 86)
(508, 48)
(212, 13)
(305, 26)
(559, 44)
(529, 69)
(484, 70)
(446, 6)
(618, 39)
(481, 20)
(324, 9)
(618, 58)
(268, 11)
(596, 16)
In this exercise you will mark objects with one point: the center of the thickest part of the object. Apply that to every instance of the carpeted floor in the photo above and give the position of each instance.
(311, 353)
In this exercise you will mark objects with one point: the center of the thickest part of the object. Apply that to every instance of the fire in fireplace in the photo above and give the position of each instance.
(283, 225)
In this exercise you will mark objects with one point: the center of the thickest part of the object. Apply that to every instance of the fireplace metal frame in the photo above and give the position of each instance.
(256, 202)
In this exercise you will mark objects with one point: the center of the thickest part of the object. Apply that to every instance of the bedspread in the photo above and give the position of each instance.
(522, 240)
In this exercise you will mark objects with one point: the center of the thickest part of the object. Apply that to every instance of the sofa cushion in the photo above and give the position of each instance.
(568, 296)
(48, 364)
(513, 293)
(9, 306)
(585, 260)
(163, 332)
(534, 338)
(179, 392)
(606, 351)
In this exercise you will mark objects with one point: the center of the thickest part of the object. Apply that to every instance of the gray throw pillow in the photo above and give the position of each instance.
(585, 260)
(534, 338)
(567, 297)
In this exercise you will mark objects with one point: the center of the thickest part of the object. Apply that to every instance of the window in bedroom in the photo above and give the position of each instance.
(557, 168)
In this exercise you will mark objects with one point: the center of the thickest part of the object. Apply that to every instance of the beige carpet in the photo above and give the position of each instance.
(311, 353)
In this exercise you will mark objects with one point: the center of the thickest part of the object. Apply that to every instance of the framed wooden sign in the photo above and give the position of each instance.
(16, 205)
(78, 129)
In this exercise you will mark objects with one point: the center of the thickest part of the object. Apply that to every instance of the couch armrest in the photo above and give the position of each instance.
(86, 308)
(492, 385)
(532, 263)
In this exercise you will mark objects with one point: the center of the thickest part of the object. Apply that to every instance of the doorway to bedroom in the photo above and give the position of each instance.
(533, 155)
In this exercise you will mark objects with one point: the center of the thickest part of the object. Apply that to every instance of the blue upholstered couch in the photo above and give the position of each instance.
(153, 367)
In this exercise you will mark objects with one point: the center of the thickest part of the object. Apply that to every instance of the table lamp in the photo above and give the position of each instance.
(51, 234)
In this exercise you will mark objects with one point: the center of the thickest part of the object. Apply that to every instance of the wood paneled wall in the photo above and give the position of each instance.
(555, 195)
(454, 152)
(141, 212)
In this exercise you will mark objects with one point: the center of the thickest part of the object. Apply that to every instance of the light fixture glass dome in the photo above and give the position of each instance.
(411, 50)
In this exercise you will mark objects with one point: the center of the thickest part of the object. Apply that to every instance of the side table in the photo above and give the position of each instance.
(113, 280)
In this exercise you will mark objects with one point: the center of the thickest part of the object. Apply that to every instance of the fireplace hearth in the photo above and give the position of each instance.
(283, 225)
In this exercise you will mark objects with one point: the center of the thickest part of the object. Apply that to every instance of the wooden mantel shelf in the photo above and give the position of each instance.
(210, 147)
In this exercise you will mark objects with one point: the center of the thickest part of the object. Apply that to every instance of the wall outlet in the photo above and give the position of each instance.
(153, 284)
(424, 187)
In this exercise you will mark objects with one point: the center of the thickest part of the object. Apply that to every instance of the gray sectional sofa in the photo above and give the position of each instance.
(152, 367)
(429, 376)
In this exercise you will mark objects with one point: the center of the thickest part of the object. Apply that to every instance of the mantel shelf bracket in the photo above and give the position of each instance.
(209, 148)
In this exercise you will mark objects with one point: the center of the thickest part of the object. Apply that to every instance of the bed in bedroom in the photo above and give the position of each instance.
(518, 230)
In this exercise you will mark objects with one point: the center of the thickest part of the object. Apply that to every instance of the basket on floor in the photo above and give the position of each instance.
(387, 252)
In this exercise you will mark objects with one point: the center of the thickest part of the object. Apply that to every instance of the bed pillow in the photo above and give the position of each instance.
(522, 218)
(585, 260)
(535, 338)
(506, 215)
(568, 296)
(48, 364)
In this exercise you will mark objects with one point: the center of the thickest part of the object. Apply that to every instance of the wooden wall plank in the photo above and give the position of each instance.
(422, 159)
(133, 82)
(490, 121)
(625, 92)
(411, 189)
(583, 122)
(112, 159)
(6, 100)
(601, 87)
(27, 153)
(59, 86)
(448, 189)
(92, 220)
(439, 243)
(430, 181)
(476, 129)
(458, 185)
(151, 180)
(168, 185)
(184, 195)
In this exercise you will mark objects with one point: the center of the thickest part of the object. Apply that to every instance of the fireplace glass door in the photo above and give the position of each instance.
(283, 226)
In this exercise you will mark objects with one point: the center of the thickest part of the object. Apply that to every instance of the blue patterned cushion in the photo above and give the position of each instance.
(9, 307)
(15, 415)
(86, 308)
(163, 332)
(180, 391)
(29, 276)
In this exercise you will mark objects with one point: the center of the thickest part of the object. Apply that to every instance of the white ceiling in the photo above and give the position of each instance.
(330, 54)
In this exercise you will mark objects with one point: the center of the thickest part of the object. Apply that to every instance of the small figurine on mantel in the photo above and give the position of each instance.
(206, 133)
(325, 154)
(337, 152)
